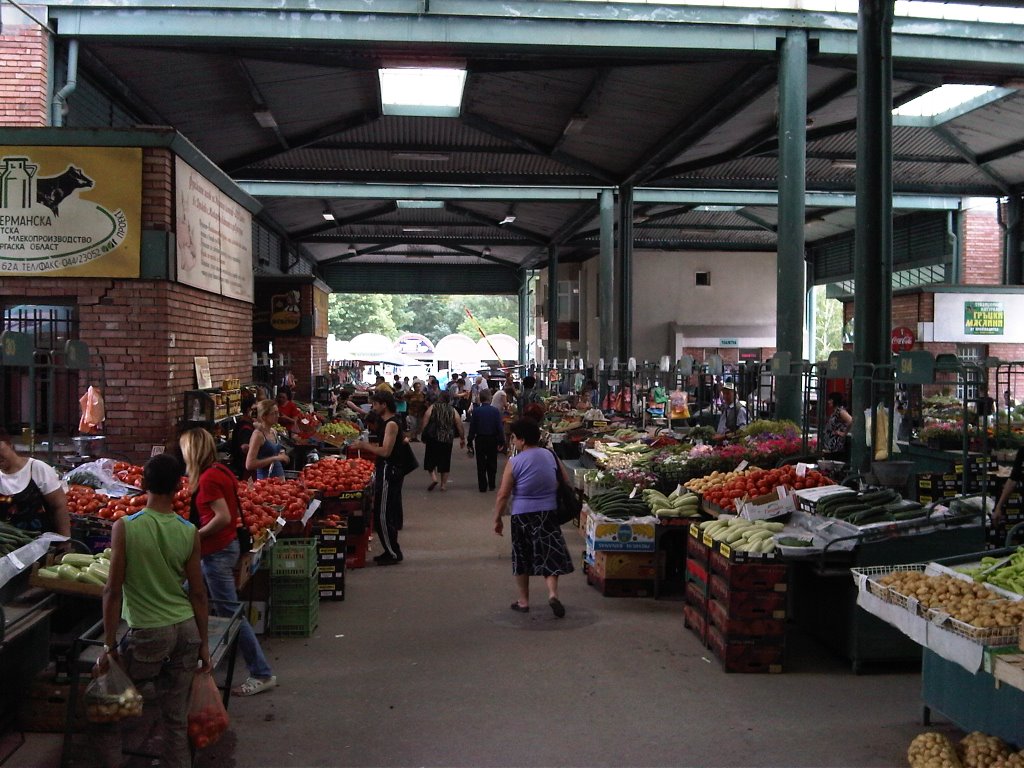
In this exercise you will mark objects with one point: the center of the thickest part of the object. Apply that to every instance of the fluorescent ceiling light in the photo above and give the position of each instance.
(419, 230)
(420, 203)
(265, 118)
(718, 208)
(422, 91)
(575, 125)
(941, 99)
(427, 157)
(328, 216)
(510, 219)
(848, 165)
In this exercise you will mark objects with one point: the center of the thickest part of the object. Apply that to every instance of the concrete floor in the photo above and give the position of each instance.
(424, 664)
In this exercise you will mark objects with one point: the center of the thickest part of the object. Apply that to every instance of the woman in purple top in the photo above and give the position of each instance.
(538, 548)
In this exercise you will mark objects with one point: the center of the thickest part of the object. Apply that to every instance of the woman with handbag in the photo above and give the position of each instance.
(442, 424)
(214, 490)
(531, 482)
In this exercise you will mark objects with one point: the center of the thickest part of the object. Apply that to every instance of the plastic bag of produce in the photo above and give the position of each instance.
(93, 411)
(112, 696)
(207, 717)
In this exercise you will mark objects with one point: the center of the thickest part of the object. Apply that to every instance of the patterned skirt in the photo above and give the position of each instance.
(538, 548)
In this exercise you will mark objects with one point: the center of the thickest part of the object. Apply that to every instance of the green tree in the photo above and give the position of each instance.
(432, 316)
(349, 314)
(491, 326)
(828, 324)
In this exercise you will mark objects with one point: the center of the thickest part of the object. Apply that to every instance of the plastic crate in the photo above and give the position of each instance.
(293, 558)
(294, 591)
(295, 620)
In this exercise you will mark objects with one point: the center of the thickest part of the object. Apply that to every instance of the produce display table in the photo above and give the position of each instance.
(972, 702)
(825, 597)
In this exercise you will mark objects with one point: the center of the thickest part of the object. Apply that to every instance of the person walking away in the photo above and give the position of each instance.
(215, 500)
(416, 403)
(387, 496)
(241, 434)
(486, 435)
(530, 482)
(266, 454)
(529, 393)
(31, 495)
(833, 436)
(153, 552)
(734, 412)
(442, 424)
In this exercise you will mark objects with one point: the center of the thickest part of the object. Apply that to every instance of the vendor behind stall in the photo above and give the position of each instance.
(734, 412)
(31, 494)
(288, 412)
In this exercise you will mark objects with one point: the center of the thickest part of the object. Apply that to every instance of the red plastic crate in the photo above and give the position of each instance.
(355, 550)
(697, 596)
(746, 656)
(750, 576)
(620, 587)
(768, 630)
(696, 622)
(697, 550)
(748, 604)
(696, 571)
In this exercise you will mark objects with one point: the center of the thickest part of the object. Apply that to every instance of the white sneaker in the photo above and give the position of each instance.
(254, 685)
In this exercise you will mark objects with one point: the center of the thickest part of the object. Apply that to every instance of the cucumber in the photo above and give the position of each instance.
(880, 497)
(873, 515)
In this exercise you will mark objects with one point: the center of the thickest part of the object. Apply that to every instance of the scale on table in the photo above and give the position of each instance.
(89, 447)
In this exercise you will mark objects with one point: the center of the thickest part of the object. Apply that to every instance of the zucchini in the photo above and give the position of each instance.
(79, 561)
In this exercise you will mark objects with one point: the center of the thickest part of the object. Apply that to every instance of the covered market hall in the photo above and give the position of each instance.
(677, 193)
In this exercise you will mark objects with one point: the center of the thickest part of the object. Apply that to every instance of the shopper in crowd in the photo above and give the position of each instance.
(529, 393)
(530, 482)
(288, 381)
(1010, 487)
(734, 412)
(31, 495)
(266, 454)
(382, 385)
(387, 495)
(486, 436)
(215, 503)
(416, 403)
(288, 412)
(588, 397)
(499, 399)
(154, 552)
(441, 425)
(241, 433)
(833, 436)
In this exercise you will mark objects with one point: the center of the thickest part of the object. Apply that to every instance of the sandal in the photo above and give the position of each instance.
(557, 608)
(255, 685)
(432, 486)
(520, 608)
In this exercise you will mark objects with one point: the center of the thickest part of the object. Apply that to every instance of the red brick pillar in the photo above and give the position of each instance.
(981, 247)
(24, 53)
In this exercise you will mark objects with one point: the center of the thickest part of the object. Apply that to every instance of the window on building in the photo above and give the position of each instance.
(969, 353)
(702, 278)
(568, 300)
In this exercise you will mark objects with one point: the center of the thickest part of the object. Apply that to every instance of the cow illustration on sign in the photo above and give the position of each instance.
(51, 191)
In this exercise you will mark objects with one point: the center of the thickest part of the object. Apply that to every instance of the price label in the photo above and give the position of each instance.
(726, 550)
(708, 541)
(742, 466)
(17, 563)
(633, 493)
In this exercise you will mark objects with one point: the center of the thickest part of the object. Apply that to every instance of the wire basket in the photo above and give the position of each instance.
(993, 636)
(881, 591)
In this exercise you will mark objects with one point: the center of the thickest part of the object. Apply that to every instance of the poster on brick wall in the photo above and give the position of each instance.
(321, 303)
(214, 235)
(70, 211)
(993, 318)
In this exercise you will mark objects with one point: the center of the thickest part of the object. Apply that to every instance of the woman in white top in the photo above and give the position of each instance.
(31, 495)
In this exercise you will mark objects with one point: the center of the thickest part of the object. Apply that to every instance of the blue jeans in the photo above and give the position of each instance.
(220, 583)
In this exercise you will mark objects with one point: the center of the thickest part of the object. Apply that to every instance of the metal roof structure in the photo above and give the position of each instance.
(563, 98)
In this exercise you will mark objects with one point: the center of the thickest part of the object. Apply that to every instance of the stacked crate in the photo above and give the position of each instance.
(294, 588)
(698, 584)
(330, 560)
(747, 611)
(936, 486)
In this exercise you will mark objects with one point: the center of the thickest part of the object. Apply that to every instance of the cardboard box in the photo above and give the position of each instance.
(625, 565)
(632, 535)
(778, 503)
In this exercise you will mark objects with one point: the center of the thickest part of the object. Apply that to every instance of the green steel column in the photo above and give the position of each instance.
(552, 313)
(524, 312)
(789, 314)
(625, 275)
(1011, 241)
(872, 267)
(606, 277)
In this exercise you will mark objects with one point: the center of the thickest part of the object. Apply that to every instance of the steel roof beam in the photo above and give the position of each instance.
(999, 153)
(589, 101)
(349, 123)
(368, 251)
(440, 239)
(523, 232)
(394, 176)
(770, 197)
(753, 83)
(463, 251)
(950, 138)
(371, 191)
(484, 125)
(851, 157)
(761, 223)
(329, 226)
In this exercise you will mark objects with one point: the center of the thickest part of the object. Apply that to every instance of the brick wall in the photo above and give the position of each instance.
(982, 259)
(130, 323)
(158, 189)
(23, 79)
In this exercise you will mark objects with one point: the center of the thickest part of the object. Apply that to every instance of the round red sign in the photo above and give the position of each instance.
(902, 339)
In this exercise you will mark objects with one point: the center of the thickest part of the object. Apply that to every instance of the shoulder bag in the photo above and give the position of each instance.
(569, 506)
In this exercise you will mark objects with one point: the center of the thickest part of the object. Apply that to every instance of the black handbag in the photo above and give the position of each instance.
(569, 504)
(402, 458)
